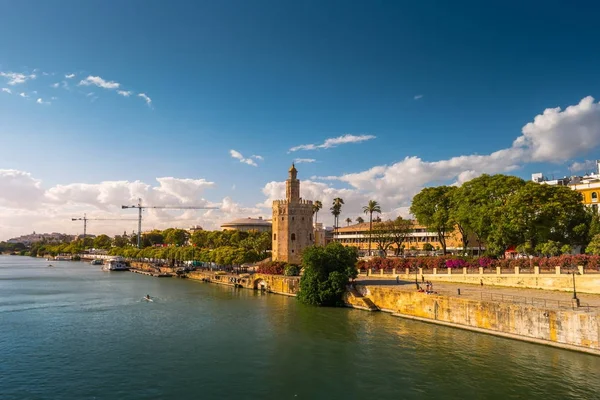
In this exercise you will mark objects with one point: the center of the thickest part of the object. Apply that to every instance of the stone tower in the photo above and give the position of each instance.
(292, 223)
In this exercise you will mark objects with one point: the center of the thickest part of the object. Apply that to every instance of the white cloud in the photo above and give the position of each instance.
(23, 94)
(15, 78)
(41, 101)
(333, 142)
(558, 135)
(304, 160)
(25, 206)
(261, 158)
(55, 85)
(147, 99)
(238, 156)
(585, 166)
(419, 96)
(70, 76)
(7, 90)
(97, 81)
(124, 93)
(90, 94)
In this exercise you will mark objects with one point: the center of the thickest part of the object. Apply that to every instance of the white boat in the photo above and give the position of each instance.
(115, 264)
(96, 262)
(63, 258)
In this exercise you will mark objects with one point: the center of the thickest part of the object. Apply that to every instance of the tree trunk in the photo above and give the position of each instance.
(370, 230)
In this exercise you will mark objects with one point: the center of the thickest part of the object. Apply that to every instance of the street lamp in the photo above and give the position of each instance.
(575, 299)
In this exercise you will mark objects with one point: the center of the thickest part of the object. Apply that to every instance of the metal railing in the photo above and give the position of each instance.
(534, 301)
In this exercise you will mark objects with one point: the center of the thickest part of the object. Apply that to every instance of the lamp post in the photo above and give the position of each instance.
(575, 300)
(416, 280)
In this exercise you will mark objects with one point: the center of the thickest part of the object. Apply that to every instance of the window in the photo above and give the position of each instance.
(282, 218)
(274, 236)
(302, 218)
(292, 251)
(310, 236)
(293, 236)
(594, 197)
(292, 218)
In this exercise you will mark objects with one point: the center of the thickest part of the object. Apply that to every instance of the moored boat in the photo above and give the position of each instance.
(115, 264)
(96, 262)
(63, 258)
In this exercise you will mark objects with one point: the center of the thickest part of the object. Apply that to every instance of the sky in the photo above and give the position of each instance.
(205, 103)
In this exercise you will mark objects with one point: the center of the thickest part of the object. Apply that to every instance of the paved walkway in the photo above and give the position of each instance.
(543, 298)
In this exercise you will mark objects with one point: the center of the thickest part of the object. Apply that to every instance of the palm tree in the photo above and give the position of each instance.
(372, 207)
(336, 210)
(360, 220)
(348, 220)
(317, 205)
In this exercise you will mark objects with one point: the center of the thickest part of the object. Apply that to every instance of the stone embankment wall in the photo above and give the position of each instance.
(286, 285)
(143, 266)
(585, 282)
(571, 329)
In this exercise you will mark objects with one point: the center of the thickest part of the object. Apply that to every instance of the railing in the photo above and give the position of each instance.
(537, 302)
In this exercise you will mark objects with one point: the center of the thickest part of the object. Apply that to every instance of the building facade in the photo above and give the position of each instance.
(247, 224)
(419, 240)
(588, 185)
(292, 223)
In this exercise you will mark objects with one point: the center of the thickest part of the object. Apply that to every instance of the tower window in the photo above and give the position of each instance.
(292, 218)
(302, 218)
(292, 251)
(282, 218)
(594, 196)
(274, 236)
(293, 236)
(310, 236)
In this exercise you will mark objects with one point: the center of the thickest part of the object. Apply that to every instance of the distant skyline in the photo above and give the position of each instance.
(209, 103)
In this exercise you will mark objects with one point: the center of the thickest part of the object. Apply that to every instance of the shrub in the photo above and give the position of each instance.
(271, 268)
(291, 270)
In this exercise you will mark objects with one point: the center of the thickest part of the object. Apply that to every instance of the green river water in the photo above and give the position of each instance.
(75, 332)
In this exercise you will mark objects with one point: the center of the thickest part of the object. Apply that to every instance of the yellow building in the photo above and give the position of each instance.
(415, 241)
(588, 185)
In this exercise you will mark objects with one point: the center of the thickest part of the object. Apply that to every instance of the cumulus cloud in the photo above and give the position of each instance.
(26, 206)
(304, 160)
(41, 101)
(70, 76)
(124, 93)
(419, 96)
(147, 99)
(98, 81)
(55, 85)
(585, 166)
(238, 156)
(333, 142)
(23, 94)
(7, 90)
(16, 78)
(261, 158)
(557, 135)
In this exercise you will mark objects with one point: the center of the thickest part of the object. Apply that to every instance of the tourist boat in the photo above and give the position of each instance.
(96, 262)
(63, 258)
(115, 264)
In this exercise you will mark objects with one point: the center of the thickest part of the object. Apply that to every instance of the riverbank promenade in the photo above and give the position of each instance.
(537, 297)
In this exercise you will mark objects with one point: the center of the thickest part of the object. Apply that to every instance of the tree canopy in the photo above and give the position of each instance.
(327, 271)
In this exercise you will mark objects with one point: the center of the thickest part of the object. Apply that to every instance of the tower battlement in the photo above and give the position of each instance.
(292, 222)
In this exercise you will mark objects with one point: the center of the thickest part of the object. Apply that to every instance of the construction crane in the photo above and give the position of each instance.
(140, 208)
(85, 219)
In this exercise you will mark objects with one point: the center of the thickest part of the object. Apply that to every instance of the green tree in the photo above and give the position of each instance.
(431, 207)
(594, 246)
(177, 237)
(427, 247)
(549, 248)
(336, 210)
(359, 220)
(348, 221)
(200, 239)
(400, 230)
(121, 241)
(317, 206)
(102, 242)
(382, 235)
(370, 208)
(327, 271)
(151, 238)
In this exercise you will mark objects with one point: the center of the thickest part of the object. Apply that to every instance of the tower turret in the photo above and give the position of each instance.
(292, 186)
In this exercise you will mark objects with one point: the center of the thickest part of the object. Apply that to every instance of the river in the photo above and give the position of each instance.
(75, 332)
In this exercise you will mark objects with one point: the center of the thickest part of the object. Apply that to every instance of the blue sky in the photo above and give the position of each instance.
(432, 80)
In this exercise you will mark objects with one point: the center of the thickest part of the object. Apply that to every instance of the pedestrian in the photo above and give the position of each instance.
(481, 281)
(397, 279)
(423, 278)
